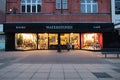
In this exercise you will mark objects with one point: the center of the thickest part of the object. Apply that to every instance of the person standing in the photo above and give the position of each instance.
(68, 46)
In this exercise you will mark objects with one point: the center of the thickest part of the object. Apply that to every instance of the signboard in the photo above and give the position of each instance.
(58, 27)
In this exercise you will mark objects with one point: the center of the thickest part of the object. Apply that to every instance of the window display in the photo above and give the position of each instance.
(53, 40)
(25, 41)
(64, 39)
(75, 40)
(43, 41)
(91, 41)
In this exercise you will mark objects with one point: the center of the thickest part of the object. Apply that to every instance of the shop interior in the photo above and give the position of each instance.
(44, 41)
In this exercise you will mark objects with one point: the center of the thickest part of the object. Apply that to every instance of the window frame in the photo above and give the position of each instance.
(91, 5)
(61, 4)
(117, 11)
(31, 4)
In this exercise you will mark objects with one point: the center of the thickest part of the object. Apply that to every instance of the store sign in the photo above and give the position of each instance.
(1, 27)
(20, 27)
(59, 27)
(97, 27)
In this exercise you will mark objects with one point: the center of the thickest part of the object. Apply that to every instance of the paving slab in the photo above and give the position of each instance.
(51, 65)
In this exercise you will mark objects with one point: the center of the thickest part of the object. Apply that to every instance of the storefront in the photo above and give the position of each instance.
(42, 36)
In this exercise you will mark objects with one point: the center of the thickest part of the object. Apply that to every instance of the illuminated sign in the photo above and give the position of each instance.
(20, 27)
(59, 27)
(97, 27)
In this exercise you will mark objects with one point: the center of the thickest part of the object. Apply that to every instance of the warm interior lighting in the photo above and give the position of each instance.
(92, 41)
(27, 36)
(43, 41)
(89, 37)
(53, 39)
(25, 41)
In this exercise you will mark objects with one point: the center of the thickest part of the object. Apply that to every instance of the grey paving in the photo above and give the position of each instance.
(51, 65)
(65, 57)
(75, 72)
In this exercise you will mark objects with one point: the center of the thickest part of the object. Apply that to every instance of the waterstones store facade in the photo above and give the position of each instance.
(48, 36)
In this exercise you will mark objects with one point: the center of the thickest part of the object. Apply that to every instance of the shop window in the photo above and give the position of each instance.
(25, 41)
(43, 41)
(64, 38)
(75, 40)
(53, 41)
(92, 41)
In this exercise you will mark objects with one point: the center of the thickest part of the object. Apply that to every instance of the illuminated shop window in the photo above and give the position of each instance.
(43, 41)
(75, 40)
(53, 40)
(64, 38)
(25, 41)
(92, 41)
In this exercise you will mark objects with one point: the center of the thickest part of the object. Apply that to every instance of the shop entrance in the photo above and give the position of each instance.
(61, 39)
(72, 38)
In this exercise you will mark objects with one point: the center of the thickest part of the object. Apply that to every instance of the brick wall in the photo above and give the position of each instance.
(50, 14)
(58, 18)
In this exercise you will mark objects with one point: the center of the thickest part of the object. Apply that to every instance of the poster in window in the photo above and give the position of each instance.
(2, 42)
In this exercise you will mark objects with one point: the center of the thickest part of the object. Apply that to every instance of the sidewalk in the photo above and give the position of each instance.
(40, 65)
